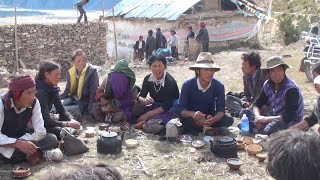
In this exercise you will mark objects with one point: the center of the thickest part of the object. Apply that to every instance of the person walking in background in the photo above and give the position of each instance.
(161, 40)
(79, 6)
(203, 37)
(150, 45)
(189, 36)
(173, 43)
(139, 48)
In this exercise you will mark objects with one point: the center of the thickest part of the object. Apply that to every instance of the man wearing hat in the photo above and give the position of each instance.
(284, 96)
(203, 37)
(139, 48)
(161, 40)
(202, 99)
(18, 108)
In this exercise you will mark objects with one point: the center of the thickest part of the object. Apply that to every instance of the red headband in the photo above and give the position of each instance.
(21, 83)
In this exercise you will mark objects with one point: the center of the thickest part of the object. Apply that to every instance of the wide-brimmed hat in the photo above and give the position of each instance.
(275, 61)
(205, 60)
(158, 26)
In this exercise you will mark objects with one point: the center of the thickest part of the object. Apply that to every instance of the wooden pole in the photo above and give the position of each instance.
(114, 33)
(16, 39)
(102, 10)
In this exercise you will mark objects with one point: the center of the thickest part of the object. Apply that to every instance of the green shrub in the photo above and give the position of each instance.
(290, 32)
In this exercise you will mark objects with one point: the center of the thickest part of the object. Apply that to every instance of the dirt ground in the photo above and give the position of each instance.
(164, 160)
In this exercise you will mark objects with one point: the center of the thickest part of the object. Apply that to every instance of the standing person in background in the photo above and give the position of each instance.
(82, 82)
(150, 45)
(161, 40)
(79, 6)
(189, 36)
(203, 37)
(173, 43)
(139, 48)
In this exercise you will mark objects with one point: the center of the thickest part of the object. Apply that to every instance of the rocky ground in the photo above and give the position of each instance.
(164, 160)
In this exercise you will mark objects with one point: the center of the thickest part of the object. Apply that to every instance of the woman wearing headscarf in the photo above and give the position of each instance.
(163, 91)
(82, 82)
(117, 93)
(48, 95)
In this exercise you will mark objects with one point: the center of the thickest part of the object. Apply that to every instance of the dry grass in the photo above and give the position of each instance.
(164, 160)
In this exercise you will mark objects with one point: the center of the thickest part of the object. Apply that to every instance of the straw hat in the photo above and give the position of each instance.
(275, 61)
(205, 60)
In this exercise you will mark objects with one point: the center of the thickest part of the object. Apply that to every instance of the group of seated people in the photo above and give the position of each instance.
(272, 102)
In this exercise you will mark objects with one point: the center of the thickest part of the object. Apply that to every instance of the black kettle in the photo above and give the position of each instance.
(224, 147)
(109, 143)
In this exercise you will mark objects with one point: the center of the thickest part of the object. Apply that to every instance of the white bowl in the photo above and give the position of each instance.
(114, 129)
(131, 142)
(198, 143)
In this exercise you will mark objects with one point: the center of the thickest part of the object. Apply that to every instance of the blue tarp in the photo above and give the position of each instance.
(152, 9)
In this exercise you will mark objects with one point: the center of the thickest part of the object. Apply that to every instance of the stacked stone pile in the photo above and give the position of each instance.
(37, 42)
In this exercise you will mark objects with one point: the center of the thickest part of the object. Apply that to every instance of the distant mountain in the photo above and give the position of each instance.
(57, 4)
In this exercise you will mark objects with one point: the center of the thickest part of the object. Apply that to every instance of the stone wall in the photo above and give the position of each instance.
(38, 42)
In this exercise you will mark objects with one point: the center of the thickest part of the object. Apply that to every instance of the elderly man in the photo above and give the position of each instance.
(139, 48)
(18, 108)
(284, 96)
(253, 80)
(202, 99)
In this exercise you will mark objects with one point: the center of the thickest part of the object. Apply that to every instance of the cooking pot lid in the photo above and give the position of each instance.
(108, 134)
(225, 139)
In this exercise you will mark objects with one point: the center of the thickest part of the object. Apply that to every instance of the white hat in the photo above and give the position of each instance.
(158, 26)
(205, 60)
(316, 80)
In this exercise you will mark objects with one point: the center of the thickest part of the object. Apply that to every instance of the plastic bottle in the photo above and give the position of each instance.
(244, 125)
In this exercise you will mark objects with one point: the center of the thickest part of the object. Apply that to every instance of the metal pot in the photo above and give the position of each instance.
(109, 143)
(224, 146)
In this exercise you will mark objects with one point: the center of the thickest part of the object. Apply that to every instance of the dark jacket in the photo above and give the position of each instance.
(161, 40)
(150, 44)
(48, 96)
(203, 35)
(136, 46)
(252, 91)
(91, 83)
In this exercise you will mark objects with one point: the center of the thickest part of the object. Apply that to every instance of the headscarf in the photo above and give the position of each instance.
(17, 86)
(202, 24)
(123, 67)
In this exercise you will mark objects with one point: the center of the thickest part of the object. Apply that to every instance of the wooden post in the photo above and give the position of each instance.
(16, 39)
(114, 33)
(102, 10)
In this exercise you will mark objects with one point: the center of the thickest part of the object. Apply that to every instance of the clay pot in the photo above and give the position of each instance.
(20, 172)
(89, 134)
(247, 140)
(253, 149)
(103, 126)
(234, 163)
(240, 144)
(261, 157)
